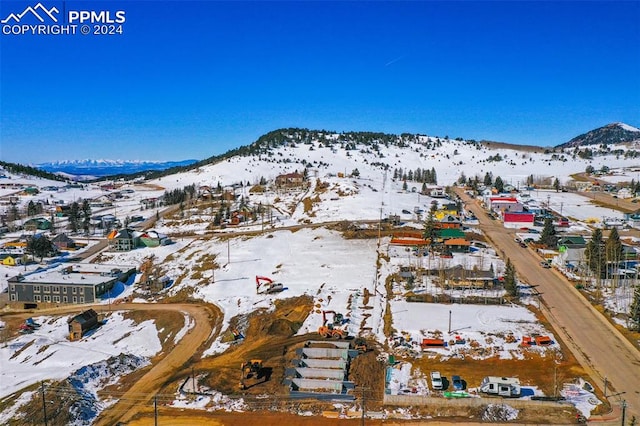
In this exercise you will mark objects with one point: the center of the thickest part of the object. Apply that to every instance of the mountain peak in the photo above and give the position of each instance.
(626, 127)
(609, 134)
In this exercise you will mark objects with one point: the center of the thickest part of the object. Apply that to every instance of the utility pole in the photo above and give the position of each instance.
(44, 404)
(624, 411)
(449, 321)
(228, 251)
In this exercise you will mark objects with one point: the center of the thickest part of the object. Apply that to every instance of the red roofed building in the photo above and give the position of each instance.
(517, 220)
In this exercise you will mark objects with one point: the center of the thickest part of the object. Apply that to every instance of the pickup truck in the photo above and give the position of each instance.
(436, 380)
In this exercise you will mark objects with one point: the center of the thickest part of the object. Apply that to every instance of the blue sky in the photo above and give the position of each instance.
(191, 79)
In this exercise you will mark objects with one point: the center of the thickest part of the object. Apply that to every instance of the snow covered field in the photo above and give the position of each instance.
(47, 354)
(314, 261)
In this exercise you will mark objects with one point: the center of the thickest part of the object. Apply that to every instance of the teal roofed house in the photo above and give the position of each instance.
(37, 223)
(448, 233)
(572, 241)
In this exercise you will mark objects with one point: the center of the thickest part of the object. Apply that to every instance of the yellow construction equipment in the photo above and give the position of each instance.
(251, 370)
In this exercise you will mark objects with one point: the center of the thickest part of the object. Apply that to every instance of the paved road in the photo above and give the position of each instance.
(599, 347)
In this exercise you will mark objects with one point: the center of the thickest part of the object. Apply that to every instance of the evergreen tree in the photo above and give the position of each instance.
(40, 245)
(86, 216)
(31, 208)
(634, 309)
(52, 219)
(548, 235)
(74, 217)
(430, 231)
(556, 185)
(530, 180)
(404, 185)
(594, 253)
(488, 179)
(499, 184)
(613, 248)
(434, 177)
(510, 282)
(462, 179)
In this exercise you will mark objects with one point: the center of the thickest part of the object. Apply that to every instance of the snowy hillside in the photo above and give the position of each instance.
(301, 242)
(327, 155)
(614, 133)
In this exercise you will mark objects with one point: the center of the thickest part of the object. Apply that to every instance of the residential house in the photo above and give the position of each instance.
(154, 239)
(457, 245)
(633, 219)
(31, 190)
(290, 180)
(149, 203)
(460, 277)
(62, 210)
(505, 204)
(450, 233)
(37, 224)
(449, 221)
(123, 240)
(437, 192)
(572, 241)
(63, 242)
(10, 259)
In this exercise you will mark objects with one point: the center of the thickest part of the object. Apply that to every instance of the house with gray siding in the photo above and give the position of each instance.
(66, 285)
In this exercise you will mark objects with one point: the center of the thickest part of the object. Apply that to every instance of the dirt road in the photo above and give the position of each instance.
(144, 389)
(602, 350)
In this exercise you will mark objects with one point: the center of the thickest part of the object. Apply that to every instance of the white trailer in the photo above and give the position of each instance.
(503, 386)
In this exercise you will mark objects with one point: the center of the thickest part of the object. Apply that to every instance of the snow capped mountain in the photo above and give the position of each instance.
(98, 168)
(610, 134)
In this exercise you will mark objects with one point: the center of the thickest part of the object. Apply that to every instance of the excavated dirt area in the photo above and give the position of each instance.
(270, 337)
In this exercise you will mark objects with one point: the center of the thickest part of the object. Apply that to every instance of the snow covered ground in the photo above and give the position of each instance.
(47, 354)
(314, 261)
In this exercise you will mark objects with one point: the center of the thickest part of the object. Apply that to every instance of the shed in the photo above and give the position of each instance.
(82, 323)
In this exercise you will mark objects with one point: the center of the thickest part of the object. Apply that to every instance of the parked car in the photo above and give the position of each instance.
(436, 380)
(456, 382)
(545, 264)
(523, 244)
(406, 212)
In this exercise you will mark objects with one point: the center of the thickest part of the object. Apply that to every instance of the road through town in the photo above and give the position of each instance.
(602, 349)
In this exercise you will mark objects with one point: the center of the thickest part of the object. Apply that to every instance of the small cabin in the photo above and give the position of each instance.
(82, 323)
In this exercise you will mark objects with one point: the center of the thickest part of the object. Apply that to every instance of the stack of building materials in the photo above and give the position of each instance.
(321, 371)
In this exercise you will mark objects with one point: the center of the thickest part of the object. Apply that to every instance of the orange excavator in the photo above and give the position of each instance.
(334, 329)
(266, 285)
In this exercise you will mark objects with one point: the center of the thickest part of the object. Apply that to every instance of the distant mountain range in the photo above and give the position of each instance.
(94, 169)
(101, 168)
(610, 134)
